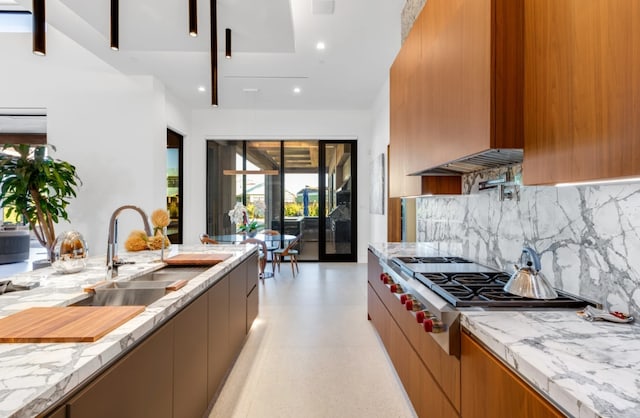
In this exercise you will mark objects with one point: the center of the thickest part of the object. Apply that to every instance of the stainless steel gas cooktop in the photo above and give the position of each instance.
(463, 283)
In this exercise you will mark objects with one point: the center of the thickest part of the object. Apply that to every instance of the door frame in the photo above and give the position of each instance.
(352, 256)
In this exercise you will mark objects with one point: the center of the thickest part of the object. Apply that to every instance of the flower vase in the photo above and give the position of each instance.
(252, 233)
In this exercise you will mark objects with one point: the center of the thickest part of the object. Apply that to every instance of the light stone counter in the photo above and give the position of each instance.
(590, 370)
(35, 376)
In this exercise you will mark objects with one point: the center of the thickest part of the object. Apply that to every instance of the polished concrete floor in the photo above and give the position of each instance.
(312, 352)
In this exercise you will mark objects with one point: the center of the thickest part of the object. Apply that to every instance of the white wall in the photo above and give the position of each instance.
(112, 127)
(285, 125)
(380, 140)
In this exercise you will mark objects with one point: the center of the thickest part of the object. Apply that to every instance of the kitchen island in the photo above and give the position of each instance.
(585, 369)
(35, 377)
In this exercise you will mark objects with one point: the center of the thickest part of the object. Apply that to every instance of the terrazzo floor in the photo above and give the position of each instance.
(312, 352)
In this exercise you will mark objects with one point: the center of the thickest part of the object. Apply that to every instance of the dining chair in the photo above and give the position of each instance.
(289, 251)
(204, 238)
(262, 253)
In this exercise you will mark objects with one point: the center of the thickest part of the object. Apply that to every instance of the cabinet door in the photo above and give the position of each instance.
(252, 272)
(252, 307)
(237, 307)
(139, 385)
(402, 119)
(454, 95)
(190, 359)
(582, 90)
(61, 412)
(490, 390)
(219, 355)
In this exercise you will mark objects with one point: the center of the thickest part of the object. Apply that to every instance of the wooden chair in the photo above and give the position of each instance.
(262, 254)
(291, 252)
(204, 238)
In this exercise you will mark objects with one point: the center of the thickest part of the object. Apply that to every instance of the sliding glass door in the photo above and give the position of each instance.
(304, 188)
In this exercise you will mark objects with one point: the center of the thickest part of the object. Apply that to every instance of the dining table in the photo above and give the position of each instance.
(272, 242)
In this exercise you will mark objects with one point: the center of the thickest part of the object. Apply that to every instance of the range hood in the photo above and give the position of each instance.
(492, 158)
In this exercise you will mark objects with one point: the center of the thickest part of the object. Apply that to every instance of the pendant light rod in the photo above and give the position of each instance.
(214, 53)
(193, 18)
(115, 25)
(227, 43)
(39, 28)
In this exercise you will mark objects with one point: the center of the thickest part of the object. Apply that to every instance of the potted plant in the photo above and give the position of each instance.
(37, 187)
(239, 216)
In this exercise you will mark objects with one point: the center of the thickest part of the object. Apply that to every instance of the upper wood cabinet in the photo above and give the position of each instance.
(582, 90)
(456, 87)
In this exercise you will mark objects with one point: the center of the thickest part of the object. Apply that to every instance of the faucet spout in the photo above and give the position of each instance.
(112, 247)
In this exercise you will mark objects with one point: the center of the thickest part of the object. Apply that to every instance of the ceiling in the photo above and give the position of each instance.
(273, 48)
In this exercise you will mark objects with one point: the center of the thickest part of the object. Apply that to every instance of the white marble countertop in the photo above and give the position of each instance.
(35, 376)
(589, 369)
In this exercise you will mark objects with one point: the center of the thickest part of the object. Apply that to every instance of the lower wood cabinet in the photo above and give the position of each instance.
(491, 390)
(475, 385)
(237, 307)
(252, 291)
(138, 385)
(426, 396)
(190, 397)
(178, 369)
(220, 354)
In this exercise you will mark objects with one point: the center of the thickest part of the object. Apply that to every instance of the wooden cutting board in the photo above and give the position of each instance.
(64, 324)
(196, 259)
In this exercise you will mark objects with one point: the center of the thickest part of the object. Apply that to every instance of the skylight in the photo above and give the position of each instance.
(15, 22)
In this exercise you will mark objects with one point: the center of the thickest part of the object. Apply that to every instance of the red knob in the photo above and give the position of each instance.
(382, 276)
(409, 305)
(394, 288)
(420, 317)
(428, 325)
(404, 298)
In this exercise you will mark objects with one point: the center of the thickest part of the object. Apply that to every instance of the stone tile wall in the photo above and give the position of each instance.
(588, 237)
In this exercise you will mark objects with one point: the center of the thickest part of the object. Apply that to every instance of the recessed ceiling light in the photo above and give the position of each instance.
(202, 89)
(250, 90)
(320, 46)
(297, 90)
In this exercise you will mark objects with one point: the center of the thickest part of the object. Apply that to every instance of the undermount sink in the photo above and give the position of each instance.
(141, 290)
(171, 274)
(136, 284)
(122, 297)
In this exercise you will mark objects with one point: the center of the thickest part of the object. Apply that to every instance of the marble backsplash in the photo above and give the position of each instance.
(588, 237)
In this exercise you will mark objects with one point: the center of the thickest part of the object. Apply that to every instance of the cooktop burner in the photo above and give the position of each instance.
(487, 290)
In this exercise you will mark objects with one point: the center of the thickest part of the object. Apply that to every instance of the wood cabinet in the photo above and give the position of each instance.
(413, 360)
(220, 354)
(138, 385)
(252, 291)
(582, 90)
(178, 369)
(237, 307)
(456, 87)
(491, 390)
(190, 397)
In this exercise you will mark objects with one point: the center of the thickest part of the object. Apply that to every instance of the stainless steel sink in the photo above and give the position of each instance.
(142, 290)
(122, 297)
(171, 274)
(136, 284)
